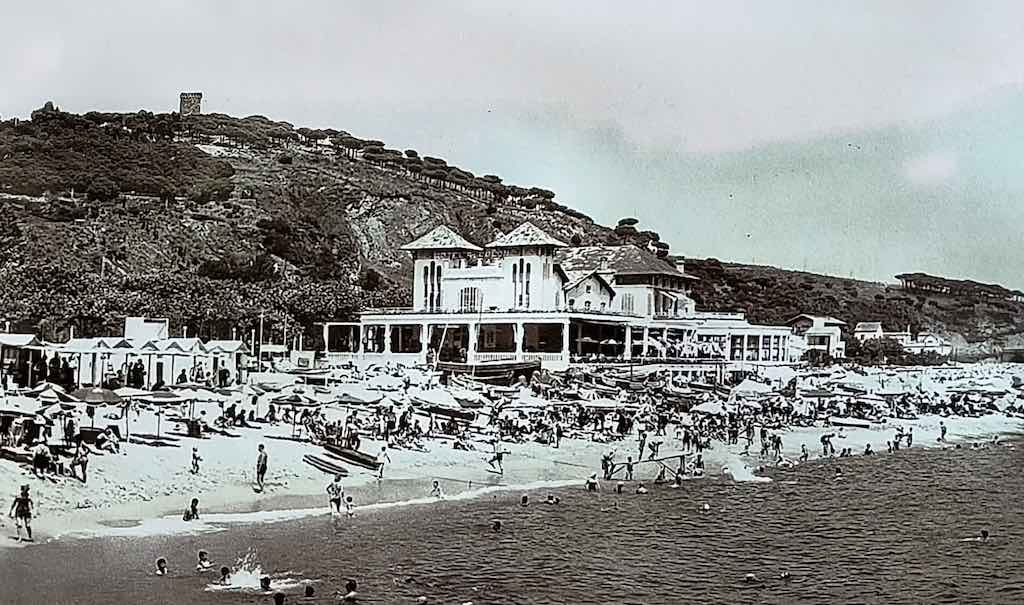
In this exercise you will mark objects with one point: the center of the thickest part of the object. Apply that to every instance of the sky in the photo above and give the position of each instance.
(858, 139)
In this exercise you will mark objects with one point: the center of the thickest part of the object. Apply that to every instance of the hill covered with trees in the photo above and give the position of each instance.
(211, 220)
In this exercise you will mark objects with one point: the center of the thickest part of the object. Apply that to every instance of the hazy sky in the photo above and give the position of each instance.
(845, 137)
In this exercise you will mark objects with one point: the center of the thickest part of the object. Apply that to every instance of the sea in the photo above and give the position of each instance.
(900, 528)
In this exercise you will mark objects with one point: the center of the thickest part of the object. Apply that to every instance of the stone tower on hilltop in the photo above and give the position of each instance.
(190, 104)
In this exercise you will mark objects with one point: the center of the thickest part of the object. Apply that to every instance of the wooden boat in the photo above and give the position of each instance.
(352, 456)
(325, 465)
(458, 414)
(849, 422)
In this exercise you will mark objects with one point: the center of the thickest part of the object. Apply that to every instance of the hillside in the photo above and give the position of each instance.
(211, 220)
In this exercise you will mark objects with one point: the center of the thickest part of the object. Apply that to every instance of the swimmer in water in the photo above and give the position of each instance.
(592, 484)
(785, 577)
(310, 591)
(640, 489)
(550, 499)
(867, 450)
(265, 583)
(619, 487)
(350, 592)
(279, 597)
(981, 538)
(204, 562)
(750, 578)
(161, 566)
(496, 525)
(225, 576)
(524, 501)
(706, 508)
(677, 482)
(436, 490)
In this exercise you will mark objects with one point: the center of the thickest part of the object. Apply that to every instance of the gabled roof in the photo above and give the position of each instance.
(526, 234)
(825, 319)
(868, 326)
(578, 277)
(441, 238)
(620, 260)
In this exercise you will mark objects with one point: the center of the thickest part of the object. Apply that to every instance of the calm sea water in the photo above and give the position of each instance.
(889, 532)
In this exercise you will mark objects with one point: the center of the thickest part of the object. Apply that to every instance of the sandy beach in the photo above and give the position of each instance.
(144, 489)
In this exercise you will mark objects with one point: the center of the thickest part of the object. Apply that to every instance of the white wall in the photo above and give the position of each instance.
(598, 294)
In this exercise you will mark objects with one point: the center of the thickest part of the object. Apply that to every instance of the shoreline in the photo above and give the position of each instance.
(293, 493)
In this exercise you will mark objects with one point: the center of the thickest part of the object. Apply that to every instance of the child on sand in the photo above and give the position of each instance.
(435, 491)
(195, 460)
(629, 468)
(349, 507)
(161, 567)
(192, 512)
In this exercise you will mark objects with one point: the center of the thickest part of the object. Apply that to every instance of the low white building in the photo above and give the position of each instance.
(924, 342)
(528, 297)
(820, 332)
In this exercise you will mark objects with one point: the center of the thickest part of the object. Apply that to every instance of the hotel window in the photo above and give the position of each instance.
(469, 299)
(426, 287)
(527, 285)
(589, 288)
(572, 303)
(437, 305)
(627, 303)
(515, 285)
(586, 305)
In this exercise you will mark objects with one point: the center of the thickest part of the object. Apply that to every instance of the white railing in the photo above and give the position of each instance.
(545, 357)
(495, 356)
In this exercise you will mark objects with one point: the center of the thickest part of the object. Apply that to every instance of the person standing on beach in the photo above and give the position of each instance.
(382, 458)
(910, 437)
(942, 431)
(499, 454)
(335, 493)
(261, 466)
(195, 460)
(81, 459)
(22, 509)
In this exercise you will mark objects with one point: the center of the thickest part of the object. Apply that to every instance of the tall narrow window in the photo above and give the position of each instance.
(519, 300)
(438, 305)
(430, 298)
(527, 288)
(515, 285)
(426, 287)
(469, 299)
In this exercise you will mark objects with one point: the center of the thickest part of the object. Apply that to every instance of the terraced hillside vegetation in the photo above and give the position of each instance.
(211, 220)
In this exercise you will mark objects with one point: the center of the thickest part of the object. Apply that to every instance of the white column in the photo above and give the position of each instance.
(566, 353)
(424, 341)
(387, 339)
(471, 349)
(628, 353)
(520, 331)
(326, 332)
(647, 335)
(746, 343)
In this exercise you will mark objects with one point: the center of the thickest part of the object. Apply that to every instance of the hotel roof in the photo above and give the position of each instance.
(526, 234)
(621, 260)
(441, 238)
(868, 326)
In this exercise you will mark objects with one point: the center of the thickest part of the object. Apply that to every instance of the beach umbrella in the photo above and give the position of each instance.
(96, 397)
(385, 382)
(162, 399)
(52, 396)
(353, 394)
(128, 394)
(296, 400)
(45, 386)
(713, 408)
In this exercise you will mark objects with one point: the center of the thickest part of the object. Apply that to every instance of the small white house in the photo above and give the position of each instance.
(820, 332)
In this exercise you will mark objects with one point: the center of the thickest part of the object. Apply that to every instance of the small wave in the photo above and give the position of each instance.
(215, 522)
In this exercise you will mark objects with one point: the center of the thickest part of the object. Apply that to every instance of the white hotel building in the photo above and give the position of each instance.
(528, 297)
